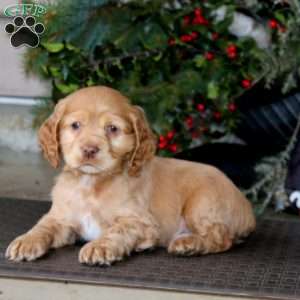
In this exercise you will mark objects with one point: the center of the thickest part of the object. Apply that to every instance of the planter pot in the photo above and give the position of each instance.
(268, 118)
(235, 160)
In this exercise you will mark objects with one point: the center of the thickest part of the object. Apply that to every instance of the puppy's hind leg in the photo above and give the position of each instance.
(203, 228)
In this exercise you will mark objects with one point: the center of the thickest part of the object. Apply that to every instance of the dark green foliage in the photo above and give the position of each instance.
(138, 47)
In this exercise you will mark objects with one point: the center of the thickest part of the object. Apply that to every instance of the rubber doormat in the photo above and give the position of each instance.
(267, 265)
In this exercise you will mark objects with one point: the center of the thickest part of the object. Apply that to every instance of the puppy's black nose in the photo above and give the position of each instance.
(90, 151)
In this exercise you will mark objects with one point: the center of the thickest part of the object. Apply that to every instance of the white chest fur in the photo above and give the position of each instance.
(90, 229)
(89, 212)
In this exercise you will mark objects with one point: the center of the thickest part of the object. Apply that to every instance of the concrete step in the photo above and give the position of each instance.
(25, 175)
(18, 289)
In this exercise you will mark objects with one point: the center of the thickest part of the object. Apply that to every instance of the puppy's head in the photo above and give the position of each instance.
(97, 130)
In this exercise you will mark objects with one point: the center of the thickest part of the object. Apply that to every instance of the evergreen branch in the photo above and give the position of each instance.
(295, 5)
(267, 200)
(276, 175)
(133, 55)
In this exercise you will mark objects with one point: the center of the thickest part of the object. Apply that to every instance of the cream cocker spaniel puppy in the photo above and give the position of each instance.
(118, 196)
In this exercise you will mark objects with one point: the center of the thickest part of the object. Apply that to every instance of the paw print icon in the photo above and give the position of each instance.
(24, 32)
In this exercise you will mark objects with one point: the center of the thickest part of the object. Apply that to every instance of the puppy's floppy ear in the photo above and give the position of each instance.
(48, 135)
(145, 142)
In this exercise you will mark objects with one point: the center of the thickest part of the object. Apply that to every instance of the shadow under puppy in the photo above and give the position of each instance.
(116, 194)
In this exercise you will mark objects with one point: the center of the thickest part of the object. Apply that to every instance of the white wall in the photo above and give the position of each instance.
(13, 81)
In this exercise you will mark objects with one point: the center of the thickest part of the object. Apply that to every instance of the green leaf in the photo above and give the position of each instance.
(45, 70)
(117, 63)
(72, 48)
(67, 88)
(90, 82)
(54, 71)
(153, 37)
(53, 47)
(100, 73)
(212, 90)
(158, 56)
(127, 40)
(199, 60)
(280, 17)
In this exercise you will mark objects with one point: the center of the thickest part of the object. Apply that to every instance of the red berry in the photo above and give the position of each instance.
(273, 24)
(162, 139)
(246, 83)
(209, 55)
(189, 122)
(200, 20)
(201, 107)
(198, 11)
(183, 38)
(186, 20)
(214, 36)
(171, 42)
(217, 115)
(231, 51)
(162, 142)
(173, 148)
(232, 107)
(194, 35)
(170, 134)
(162, 145)
(231, 48)
(186, 38)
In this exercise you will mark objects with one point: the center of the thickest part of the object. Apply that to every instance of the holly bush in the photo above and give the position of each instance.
(176, 59)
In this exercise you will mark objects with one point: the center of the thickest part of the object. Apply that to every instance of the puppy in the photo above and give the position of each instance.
(119, 197)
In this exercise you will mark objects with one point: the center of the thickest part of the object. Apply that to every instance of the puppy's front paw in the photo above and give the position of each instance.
(26, 247)
(99, 253)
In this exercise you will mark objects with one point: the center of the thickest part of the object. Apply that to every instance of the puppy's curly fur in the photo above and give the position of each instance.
(117, 195)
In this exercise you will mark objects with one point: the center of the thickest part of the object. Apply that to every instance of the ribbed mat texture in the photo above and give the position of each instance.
(267, 265)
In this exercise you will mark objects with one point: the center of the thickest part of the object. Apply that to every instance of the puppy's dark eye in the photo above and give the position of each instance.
(111, 129)
(75, 125)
